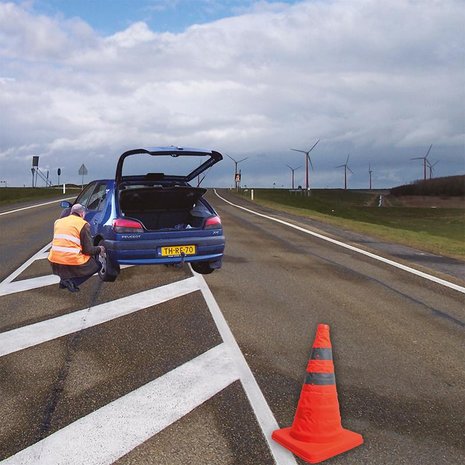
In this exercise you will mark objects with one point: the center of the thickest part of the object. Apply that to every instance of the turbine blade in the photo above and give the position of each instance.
(310, 161)
(429, 150)
(314, 145)
(297, 150)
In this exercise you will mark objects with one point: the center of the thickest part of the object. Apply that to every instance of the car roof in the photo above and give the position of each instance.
(173, 151)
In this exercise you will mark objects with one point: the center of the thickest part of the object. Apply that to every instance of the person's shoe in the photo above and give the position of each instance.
(61, 285)
(68, 284)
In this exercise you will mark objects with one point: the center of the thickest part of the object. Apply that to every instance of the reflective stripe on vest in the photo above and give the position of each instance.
(57, 248)
(66, 245)
(68, 237)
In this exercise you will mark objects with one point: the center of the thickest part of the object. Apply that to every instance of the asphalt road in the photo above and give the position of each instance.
(398, 344)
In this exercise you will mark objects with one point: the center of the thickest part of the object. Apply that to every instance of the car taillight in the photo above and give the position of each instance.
(213, 222)
(121, 225)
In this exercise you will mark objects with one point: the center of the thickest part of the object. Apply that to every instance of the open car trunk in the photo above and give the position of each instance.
(159, 207)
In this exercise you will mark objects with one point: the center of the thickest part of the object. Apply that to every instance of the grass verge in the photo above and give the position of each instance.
(436, 230)
(9, 195)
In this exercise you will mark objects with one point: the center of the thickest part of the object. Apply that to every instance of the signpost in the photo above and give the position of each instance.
(82, 172)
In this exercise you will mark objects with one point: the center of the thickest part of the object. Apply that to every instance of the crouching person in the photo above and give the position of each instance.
(73, 256)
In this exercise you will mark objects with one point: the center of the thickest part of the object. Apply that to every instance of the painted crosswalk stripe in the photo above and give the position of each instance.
(28, 284)
(112, 431)
(25, 265)
(257, 400)
(31, 335)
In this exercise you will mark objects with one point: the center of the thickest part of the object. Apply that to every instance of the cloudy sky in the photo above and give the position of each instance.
(82, 81)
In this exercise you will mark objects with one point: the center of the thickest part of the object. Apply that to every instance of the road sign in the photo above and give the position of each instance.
(83, 170)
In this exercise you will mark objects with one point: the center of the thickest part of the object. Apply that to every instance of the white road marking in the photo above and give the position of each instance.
(43, 256)
(427, 276)
(28, 284)
(9, 286)
(112, 431)
(35, 206)
(31, 335)
(26, 264)
(116, 429)
(257, 400)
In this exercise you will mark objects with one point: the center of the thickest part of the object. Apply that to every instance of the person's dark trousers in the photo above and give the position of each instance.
(81, 279)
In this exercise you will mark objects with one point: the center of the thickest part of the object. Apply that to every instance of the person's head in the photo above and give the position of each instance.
(78, 209)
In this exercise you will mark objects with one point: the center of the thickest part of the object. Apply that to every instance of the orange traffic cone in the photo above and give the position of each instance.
(316, 433)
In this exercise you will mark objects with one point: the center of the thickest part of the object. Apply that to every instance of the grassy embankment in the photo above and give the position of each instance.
(9, 195)
(436, 230)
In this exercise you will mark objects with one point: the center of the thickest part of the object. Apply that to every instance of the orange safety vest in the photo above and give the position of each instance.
(66, 245)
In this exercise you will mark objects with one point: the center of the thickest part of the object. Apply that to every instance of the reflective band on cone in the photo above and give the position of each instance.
(317, 433)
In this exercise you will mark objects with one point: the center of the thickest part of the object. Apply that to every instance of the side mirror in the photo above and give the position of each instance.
(65, 204)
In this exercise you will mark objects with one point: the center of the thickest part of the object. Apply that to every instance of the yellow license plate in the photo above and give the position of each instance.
(178, 250)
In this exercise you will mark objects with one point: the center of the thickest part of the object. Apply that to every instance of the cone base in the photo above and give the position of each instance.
(313, 452)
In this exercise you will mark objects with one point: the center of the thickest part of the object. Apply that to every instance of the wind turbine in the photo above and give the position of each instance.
(425, 161)
(292, 169)
(307, 162)
(237, 174)
(431, 166)
(346, 167)
(370, 171)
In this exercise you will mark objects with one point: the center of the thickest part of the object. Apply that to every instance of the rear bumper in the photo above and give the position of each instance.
(148, 252)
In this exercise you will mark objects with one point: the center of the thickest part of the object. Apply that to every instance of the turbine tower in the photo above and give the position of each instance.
(292, 175)
(346, 167)
(307, 162)
(370, 171)
(237, 174)
(425, 161)
(431, 166)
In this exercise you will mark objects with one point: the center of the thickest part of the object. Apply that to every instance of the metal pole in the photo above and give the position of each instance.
(306, 172)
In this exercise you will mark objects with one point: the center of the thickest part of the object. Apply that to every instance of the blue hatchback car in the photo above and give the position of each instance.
(155, 218)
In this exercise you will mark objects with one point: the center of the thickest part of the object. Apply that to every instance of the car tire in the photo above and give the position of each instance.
(108, 272)
(202, 267)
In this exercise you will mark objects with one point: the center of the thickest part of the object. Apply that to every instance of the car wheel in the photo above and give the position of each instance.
(202, 267)
(108, 272)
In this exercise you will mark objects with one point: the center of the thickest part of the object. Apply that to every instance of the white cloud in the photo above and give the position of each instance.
(365, 76)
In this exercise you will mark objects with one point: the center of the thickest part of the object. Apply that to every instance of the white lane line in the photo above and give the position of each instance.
(112, 431)
(262, 410)
(35, 206)
(26, 264)
(352, 248)
(31, 335)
